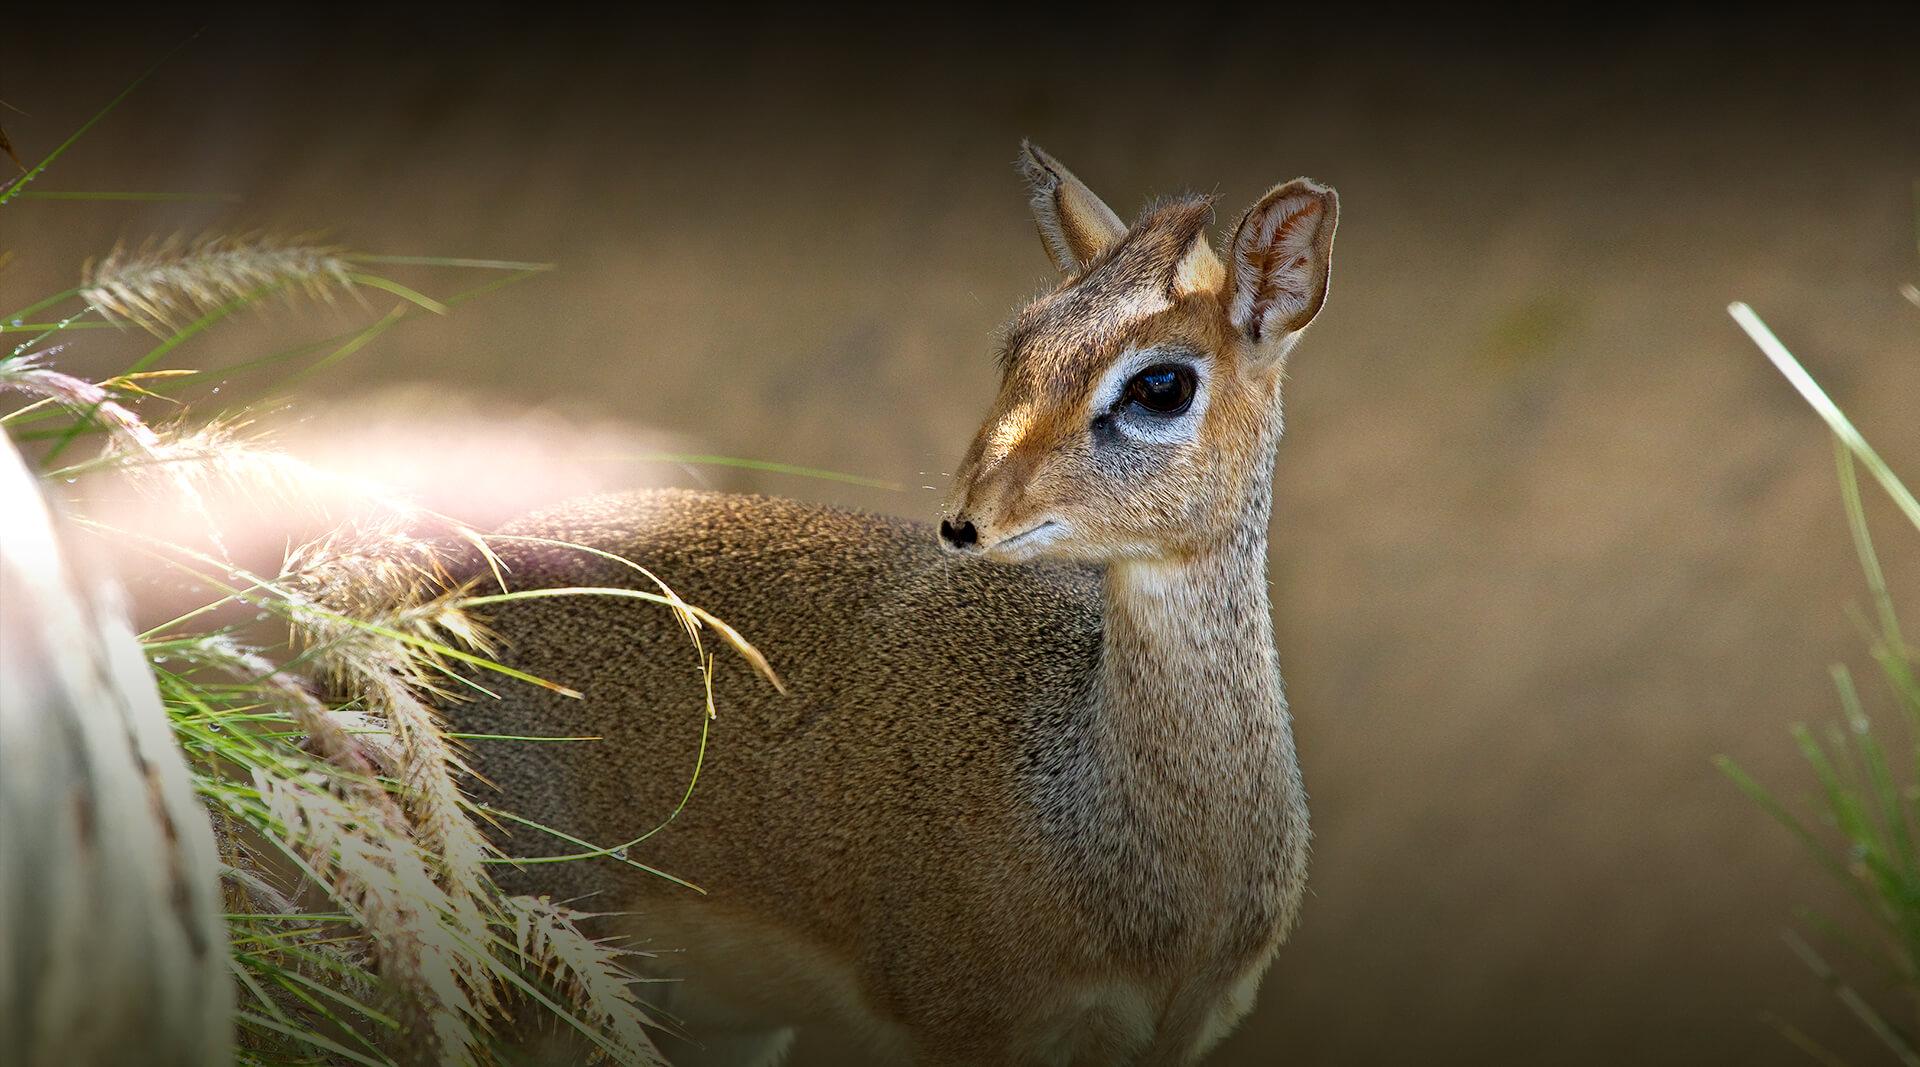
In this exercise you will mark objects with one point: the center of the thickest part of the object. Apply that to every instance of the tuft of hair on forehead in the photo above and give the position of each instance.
(1151, 251)
(1144, 269)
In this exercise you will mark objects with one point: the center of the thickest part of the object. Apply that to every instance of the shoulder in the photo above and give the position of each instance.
(775, 546)
(647, 514)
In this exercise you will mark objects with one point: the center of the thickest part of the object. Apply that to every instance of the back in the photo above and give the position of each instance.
(926, 679)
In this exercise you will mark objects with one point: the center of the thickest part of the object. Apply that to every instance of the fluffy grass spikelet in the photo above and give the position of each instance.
(585, 970)
(360, 789)
(162, 282)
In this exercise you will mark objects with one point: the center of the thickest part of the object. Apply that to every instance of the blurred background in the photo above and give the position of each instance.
(1549, 532)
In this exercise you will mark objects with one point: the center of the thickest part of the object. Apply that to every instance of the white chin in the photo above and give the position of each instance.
(1029, 543)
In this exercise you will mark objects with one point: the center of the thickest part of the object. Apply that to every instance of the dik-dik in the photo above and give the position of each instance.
(1030, 795)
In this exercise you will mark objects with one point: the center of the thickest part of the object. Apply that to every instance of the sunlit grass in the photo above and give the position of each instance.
(364, 924)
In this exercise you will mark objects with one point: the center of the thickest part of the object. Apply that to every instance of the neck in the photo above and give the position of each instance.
(1189, 642)
(1192, 698)
(1195, 799)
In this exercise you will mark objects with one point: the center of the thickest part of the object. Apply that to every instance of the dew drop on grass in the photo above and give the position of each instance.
(620, 853)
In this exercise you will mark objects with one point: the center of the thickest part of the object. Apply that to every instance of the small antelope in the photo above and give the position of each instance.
(1030, 796)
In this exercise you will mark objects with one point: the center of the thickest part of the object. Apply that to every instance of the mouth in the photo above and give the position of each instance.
(1024, 537)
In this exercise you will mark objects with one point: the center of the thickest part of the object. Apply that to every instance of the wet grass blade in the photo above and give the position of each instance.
(15, 186)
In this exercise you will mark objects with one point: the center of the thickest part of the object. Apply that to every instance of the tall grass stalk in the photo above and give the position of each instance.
(361, 920)
(1865, 830)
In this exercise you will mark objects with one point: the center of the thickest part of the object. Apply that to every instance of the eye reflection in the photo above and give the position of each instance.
(1162, 389)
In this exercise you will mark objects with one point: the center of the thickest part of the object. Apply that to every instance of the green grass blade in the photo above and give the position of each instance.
(135, 197)
(450, 261)
(1896, 1042)
(340, 345)
(200, 325)
(1824, 856)
(355, 343)
(246, 979)
(590, 850)
(1874, 772)
(289, 608)
(18, 184)
(411, 296)
(289, 978)
(1901, 880)
(1863, 547)
(1891, 966)
(1822, 404)
(538, 996)
(42, 304)
(307, 1037)
(158, 352)
(1798, 1038)
(1847, 804)
(46, 329)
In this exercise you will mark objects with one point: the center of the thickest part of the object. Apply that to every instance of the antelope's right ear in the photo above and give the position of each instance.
(1280, 261)
(1075, 225)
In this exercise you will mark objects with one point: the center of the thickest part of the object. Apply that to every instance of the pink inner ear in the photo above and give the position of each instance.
(1273, 266)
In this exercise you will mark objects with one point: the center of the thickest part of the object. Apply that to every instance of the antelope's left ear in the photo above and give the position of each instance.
(1075, 225)
(1279, 264)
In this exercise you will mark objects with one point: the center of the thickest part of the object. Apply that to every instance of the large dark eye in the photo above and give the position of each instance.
(1164, 388)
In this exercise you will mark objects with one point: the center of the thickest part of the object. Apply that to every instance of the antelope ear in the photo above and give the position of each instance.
(1075, 225)
(1279, 264)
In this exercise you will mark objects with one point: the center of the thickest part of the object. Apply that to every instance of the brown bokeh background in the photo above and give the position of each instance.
(1549, 533)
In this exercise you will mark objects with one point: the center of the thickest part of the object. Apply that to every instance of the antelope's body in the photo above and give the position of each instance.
(1030, 796)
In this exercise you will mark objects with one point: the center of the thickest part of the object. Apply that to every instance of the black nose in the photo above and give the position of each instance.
(959, 536)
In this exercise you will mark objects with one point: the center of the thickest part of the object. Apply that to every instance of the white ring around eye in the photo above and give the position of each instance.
(1105, 399)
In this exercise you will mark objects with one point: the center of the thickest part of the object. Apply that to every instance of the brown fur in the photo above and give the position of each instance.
(1016, 807)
